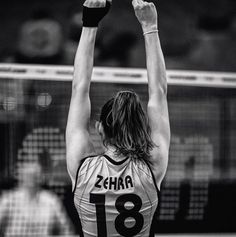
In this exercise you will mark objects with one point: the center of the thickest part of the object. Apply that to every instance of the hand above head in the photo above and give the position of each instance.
(146, 14)
(94, 11)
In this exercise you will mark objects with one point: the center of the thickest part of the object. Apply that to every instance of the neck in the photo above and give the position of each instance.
(111, 151)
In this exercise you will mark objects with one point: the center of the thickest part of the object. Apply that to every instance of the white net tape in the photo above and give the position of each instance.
(118, 75)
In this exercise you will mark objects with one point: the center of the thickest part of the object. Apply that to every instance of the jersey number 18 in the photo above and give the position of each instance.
(124, 213)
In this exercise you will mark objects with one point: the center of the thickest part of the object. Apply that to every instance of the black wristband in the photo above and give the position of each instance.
(92, 16)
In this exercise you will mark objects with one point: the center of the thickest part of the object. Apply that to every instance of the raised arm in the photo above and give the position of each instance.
(157, 87)
(78, 142)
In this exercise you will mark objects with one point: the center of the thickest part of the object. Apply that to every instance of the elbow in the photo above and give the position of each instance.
(163, 84)
(158, 85)
(163, 88)
(80, 87)
(75, 87)
(160, 90)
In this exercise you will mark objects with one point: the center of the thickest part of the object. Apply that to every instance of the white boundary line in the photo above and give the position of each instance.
(118, 75)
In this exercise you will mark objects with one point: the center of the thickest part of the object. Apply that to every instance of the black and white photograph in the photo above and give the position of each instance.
(118, 118)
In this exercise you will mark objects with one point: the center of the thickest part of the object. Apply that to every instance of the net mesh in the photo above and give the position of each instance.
(34, 103)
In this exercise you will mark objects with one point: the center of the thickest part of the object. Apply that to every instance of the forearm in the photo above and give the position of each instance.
(83, 65)
(155, 64)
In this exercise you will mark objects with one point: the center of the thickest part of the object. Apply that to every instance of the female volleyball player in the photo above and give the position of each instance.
(116, 193)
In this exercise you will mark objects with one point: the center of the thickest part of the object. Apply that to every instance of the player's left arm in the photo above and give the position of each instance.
(157, 88)
(78, 141)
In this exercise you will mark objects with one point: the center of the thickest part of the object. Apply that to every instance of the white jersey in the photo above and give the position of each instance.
(115, 198)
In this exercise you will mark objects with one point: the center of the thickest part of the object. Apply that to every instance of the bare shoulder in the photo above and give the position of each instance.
(159, 159)
(78, 146)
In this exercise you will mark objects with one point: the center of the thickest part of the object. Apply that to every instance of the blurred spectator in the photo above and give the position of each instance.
(30, 211)
(215, 48)
(40, 39)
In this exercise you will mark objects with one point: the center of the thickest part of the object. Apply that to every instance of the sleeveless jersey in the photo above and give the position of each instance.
(115, 198)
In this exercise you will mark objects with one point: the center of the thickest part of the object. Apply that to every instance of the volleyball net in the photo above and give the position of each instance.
(34, 103)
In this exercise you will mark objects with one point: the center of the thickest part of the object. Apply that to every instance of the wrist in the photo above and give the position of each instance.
(93, 15)
(89, 32)
(150, 32)
(148, 28)
(88, 28)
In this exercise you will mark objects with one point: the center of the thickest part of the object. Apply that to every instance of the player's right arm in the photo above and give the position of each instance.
(157, 88)
(78, 141)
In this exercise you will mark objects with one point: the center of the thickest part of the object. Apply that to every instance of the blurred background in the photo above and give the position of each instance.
(199, 191)
(195, 35)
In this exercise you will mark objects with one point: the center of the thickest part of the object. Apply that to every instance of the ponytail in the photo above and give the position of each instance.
(126, 126)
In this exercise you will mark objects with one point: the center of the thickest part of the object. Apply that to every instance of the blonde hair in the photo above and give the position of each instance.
(126, 125)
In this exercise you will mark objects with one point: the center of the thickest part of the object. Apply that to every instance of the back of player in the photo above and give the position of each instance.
(117, 195)
(115, 198)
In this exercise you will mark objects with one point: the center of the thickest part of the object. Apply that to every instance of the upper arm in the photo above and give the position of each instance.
(160, 133)
(78, 141)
